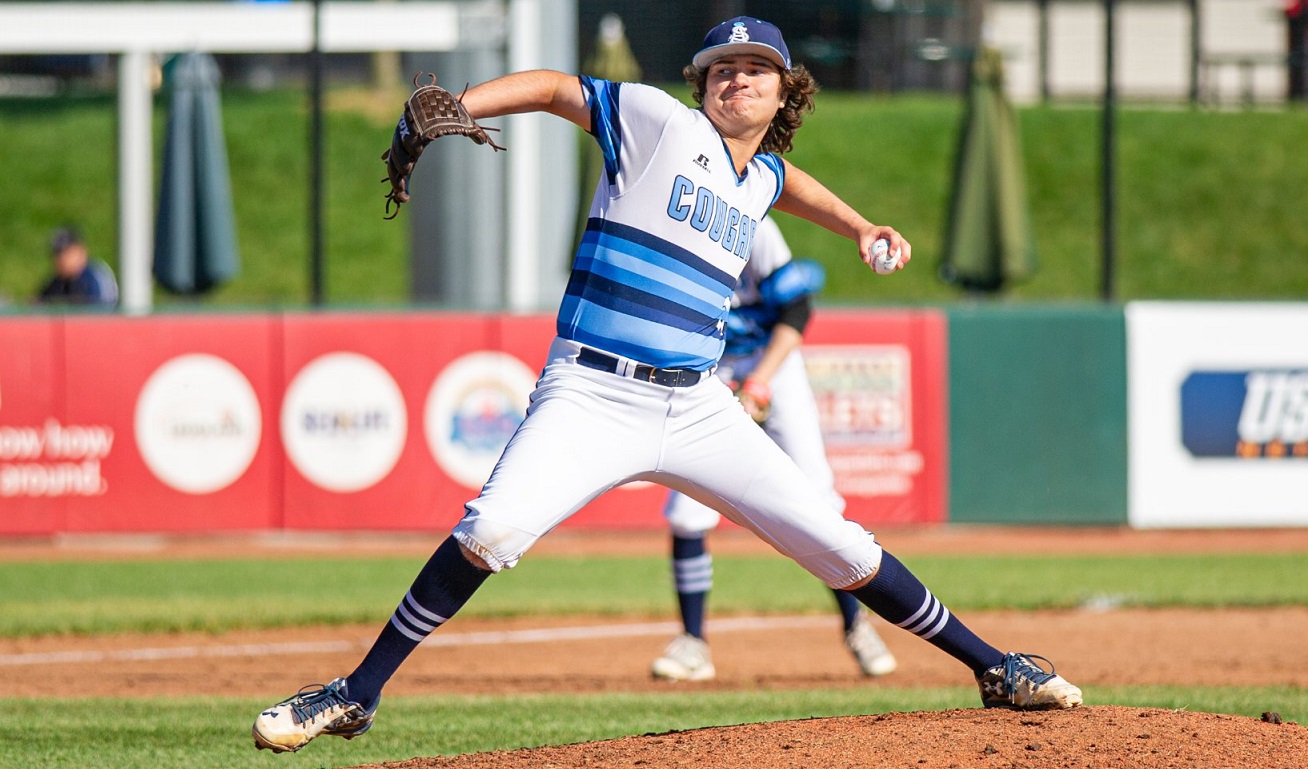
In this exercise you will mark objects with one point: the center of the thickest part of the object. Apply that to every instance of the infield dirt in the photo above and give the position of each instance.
(1095, 647)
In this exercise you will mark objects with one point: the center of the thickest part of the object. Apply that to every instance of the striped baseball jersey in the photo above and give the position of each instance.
(669, 231)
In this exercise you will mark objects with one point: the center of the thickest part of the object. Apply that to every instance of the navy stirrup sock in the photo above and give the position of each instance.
(901, 599)
(849, 608)
(442, 588)
(692, 571)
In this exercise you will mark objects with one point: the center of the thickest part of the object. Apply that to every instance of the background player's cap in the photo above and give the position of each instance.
(63, 238)
(743, 34)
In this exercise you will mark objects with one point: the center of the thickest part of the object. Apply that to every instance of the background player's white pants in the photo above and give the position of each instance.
(588, 431)
(793, 424)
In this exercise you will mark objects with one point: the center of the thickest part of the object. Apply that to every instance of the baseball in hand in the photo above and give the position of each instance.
(883, 261)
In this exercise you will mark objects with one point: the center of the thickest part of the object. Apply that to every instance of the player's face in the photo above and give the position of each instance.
(70, 262)
(742, 92)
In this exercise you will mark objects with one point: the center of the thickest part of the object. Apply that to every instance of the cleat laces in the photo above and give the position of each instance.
(1018, 681)
(1019, 666)
(305, 707)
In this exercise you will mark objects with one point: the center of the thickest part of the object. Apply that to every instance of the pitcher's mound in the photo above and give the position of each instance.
(1083, 738)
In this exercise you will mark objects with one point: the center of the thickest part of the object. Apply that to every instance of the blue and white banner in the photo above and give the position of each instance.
(1218, 414)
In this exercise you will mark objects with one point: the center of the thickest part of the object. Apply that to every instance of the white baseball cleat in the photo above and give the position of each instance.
(314, 710)
(1017, 682)
(686, 658)
(863, 641)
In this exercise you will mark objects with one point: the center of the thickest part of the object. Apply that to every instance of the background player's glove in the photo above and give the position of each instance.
(756, 397)
(430, 113)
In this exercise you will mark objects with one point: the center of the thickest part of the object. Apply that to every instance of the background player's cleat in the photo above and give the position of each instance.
(294, 722)
(863, 641)
(1019, 683)
(686, 658)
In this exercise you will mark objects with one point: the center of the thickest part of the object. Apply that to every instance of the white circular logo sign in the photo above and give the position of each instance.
(472, 410)
(197, 423)
(344, 422)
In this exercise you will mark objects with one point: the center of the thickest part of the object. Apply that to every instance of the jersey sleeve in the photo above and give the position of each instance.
(627, 121)
(773, 162)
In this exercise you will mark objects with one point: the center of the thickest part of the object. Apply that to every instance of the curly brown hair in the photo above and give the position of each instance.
(798, 86)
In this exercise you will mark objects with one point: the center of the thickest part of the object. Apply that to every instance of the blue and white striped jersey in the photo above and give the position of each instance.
(670, 229)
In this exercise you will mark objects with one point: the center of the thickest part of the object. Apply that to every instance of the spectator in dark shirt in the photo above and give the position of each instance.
(78, 278)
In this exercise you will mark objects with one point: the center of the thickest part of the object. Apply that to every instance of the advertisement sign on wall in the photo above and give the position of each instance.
(352, 418)
(880, 383)
(1218, 400)
(109, 424)
(38, 472)
(186, 401)
(198, 423)
(360, 421)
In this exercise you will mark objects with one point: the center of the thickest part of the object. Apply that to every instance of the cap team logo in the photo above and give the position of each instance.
(197, 423)
(344, 422)
(472, 410)
(739, 34)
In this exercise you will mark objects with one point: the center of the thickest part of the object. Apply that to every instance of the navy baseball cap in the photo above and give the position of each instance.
(743, 34)
(63, 238)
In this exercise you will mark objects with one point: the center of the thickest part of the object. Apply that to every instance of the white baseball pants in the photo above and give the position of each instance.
(589, 431)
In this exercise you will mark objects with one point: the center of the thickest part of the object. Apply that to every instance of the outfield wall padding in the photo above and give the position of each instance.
(1037, 415)
(383, 421)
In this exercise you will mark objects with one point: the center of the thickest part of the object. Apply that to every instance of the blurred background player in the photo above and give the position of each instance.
(78, 278)
(769, 312)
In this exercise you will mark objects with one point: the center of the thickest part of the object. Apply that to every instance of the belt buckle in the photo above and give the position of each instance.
(660, 376)
(668, 377)
(677, 377)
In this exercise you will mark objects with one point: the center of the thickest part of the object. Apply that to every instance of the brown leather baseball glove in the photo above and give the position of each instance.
(430, 113)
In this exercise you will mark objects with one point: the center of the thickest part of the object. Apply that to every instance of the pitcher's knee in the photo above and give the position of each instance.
(473, 558)
(492, 545)
(847, 567)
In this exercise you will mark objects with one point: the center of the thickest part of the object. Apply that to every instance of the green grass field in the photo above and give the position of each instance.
(163, 596)
(1210, 203)
(210, 730)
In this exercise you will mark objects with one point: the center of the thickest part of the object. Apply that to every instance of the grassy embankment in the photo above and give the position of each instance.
(1210, 204)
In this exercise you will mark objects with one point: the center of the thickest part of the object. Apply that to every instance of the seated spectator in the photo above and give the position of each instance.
(78, 278)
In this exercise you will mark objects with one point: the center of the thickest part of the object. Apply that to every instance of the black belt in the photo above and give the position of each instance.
(668, 377)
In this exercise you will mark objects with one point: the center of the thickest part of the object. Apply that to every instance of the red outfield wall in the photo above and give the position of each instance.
(363, 421)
